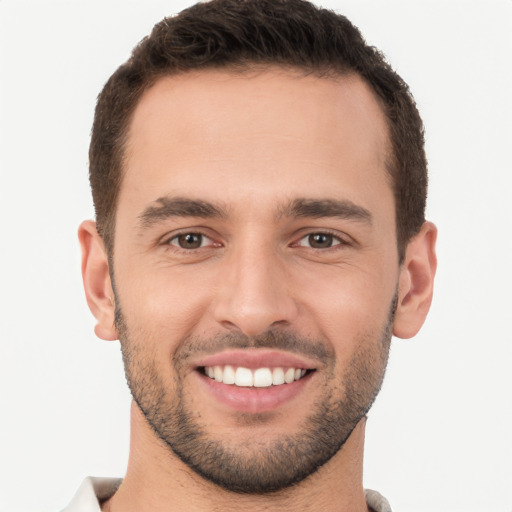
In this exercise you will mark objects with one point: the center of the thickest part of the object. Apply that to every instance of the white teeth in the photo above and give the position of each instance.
(262, 378)
(289, 376)
(258, 378)
(278, 376)
(229, 375)
(243, 377)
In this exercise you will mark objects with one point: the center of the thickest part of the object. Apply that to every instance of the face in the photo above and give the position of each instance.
(256, 269)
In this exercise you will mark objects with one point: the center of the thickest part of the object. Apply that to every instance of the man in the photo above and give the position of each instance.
(259, 179)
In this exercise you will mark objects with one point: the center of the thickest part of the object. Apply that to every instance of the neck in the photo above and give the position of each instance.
(158, 480)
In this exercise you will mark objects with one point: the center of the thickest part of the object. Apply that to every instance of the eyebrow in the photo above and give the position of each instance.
(167, 207)
(319, 208)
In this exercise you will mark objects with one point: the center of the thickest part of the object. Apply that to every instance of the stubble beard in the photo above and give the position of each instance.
(254, 466)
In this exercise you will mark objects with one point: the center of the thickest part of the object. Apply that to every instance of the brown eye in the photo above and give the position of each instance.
(320, 240)
(188, 240)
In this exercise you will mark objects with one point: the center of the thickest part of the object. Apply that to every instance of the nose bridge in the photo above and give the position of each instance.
(253, 292)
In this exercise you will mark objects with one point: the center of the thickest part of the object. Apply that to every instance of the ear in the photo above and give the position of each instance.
(96, 278)
(416, 282)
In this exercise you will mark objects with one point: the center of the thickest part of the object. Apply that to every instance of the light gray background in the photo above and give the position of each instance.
(440, 435)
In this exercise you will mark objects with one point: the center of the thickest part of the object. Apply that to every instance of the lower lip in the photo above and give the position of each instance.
(254, 400)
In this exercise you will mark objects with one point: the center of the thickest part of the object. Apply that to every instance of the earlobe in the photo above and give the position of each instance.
(96, 279)
(416, 282)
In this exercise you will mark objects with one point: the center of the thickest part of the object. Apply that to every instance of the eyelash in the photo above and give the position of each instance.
(337, 241)
(169, 241)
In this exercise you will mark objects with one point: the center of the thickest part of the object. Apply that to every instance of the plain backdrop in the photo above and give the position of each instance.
(439, 437)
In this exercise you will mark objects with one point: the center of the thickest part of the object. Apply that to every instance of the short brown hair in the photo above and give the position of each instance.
(238, 34)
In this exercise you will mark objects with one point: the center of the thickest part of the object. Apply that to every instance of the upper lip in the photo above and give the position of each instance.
(256, 358)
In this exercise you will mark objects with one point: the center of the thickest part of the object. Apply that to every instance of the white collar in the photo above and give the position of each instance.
(91, 493)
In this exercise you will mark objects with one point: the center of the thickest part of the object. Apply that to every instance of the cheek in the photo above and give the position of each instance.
(351, 310)
(163, 305)
(348, 297)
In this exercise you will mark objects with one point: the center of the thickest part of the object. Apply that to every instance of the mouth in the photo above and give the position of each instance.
(254, 380)
(263, 377)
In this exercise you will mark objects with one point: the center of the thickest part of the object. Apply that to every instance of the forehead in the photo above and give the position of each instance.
(274, 133)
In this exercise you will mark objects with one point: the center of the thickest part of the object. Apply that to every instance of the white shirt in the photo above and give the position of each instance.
(94, 491)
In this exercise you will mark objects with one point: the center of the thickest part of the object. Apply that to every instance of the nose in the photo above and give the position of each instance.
(254, 291)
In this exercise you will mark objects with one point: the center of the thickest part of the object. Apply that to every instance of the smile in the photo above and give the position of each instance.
(258, 378)
(254, 380)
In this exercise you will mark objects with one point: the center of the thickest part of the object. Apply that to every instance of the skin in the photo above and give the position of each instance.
(251, 144)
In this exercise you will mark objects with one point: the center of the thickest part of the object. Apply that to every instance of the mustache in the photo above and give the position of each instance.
(272, 339)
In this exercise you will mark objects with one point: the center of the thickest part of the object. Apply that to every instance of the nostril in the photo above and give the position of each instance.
(252, 299)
